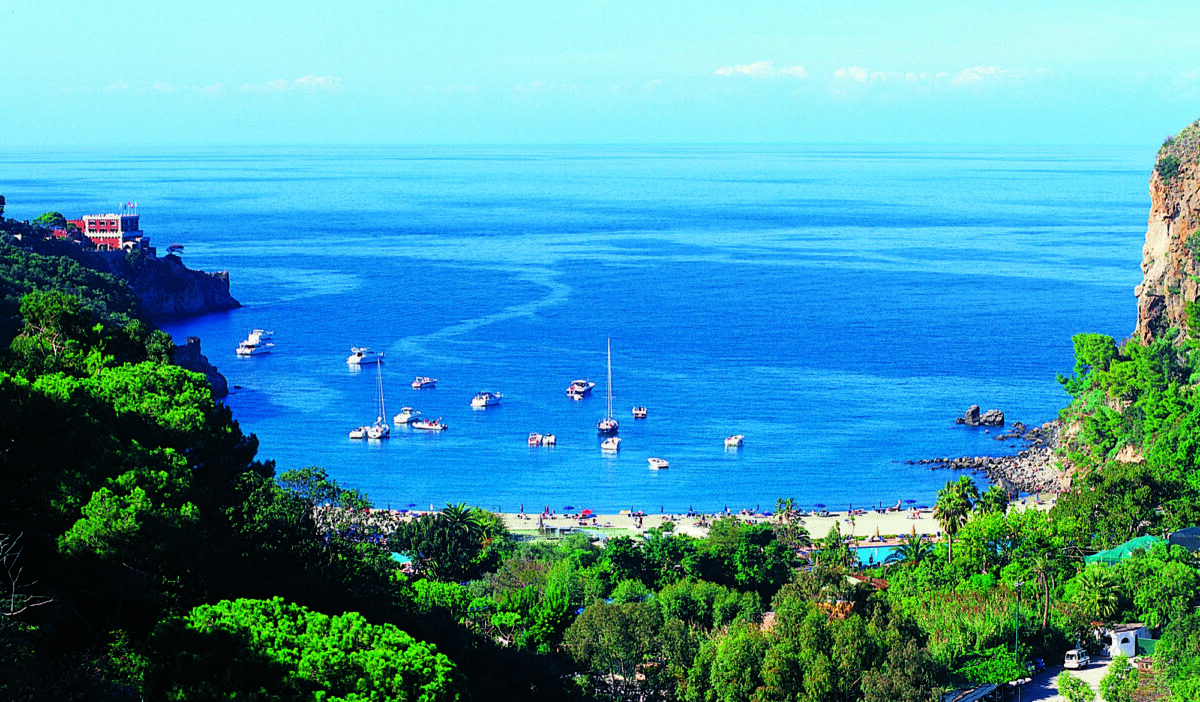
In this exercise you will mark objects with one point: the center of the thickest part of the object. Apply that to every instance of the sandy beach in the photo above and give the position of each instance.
(864, 524)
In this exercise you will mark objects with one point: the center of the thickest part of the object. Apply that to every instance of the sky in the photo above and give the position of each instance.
(232, 72)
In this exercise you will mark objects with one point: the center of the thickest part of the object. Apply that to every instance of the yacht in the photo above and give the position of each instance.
(578, 388)
(658, 463)
(734, 441)
(608, 425)
(358, 433)
(486, 399)
(429, 424)
(549, 440)
(422, 381)
(379, 430)
(407, 416)
(361, 356)
(639, 412)
(535, 439)
(258, 342)
(612, 443)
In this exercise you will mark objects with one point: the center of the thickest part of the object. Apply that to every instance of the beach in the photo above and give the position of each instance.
(864, 524)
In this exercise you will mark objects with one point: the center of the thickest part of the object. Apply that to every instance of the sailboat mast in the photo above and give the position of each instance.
(379, 378)
(610, 414)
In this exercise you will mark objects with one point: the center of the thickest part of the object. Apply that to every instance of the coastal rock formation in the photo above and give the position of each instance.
(189, 357)
(1171, 254)
(166, 288)
(1032, 470)
(973, 418)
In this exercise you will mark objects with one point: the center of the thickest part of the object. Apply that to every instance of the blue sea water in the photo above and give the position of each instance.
(837, 305)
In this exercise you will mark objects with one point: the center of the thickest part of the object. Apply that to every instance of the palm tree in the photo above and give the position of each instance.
(1097, 593)
(951, 511)
(965, 487)
(461, 517)
(912, 551)
(1041, 568)
(994, 501)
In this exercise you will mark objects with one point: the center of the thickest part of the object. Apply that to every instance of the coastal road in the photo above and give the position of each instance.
(1045, 686)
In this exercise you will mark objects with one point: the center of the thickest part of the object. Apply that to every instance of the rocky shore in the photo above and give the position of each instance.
(167, 288)
(1031, 470)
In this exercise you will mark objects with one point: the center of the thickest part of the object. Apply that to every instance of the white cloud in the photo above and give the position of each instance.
(309, 83)
(652, 85)
(162, 87)
(854, 79)
(119, 86)
(762, 69)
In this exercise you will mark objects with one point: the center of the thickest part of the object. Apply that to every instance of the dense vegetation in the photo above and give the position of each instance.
(148, 554)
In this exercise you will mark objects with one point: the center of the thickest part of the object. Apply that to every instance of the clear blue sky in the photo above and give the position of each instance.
(596, 71)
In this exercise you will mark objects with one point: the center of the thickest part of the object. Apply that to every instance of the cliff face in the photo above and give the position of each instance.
(1171, 254)
(188, 357)
(166, 288)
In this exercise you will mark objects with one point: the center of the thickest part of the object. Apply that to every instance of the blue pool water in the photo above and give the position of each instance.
(837, 305)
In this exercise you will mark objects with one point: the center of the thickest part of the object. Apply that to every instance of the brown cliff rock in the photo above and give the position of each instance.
(1170, 270)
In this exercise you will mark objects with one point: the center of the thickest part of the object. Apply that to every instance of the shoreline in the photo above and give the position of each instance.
(864, 525)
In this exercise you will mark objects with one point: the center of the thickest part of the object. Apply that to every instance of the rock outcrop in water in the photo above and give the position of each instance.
(974, 418)
(1171, 254)
(166, 288)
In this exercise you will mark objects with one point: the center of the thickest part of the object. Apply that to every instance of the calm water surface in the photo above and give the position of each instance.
(837, 305)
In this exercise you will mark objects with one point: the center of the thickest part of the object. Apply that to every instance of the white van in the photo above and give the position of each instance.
(1077, 659)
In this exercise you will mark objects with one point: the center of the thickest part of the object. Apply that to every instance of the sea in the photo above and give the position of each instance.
(839, 305)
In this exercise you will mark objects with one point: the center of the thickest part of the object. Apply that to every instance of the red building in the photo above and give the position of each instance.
(112, 231)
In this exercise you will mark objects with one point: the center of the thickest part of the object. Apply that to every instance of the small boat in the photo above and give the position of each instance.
(407, 416)
(734, 441)
(612, 443)
(639, 412)
(535, 439)
(608, 425)
(361, 356)
(578, 388)
(658, 463)
(429, 424)
(549, 440)
(258, 342)
(486, 399)
(358, 433)
(421, 382)
(379, 429)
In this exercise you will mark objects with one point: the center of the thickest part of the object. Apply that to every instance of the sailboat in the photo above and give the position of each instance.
(608, 425)
(380, 429)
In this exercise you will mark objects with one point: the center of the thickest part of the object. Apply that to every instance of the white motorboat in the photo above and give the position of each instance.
(734, 441)
(258, 342)
(608, 425)
(379, 430)
(612, 443)
(421, 382)
(358, 433)
(407, 416)
(658, 463)
(639, 412)
(429, 424)
(578, 388)
(362, 356)
(549, 440)
(486, 399)
(535, 439)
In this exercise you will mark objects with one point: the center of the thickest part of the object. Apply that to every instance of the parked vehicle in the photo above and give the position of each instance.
(1076, 659)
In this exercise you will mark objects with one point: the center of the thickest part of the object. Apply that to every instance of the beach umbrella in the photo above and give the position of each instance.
(586, 512)
(877, 531)
(914, 530)
(819, 506)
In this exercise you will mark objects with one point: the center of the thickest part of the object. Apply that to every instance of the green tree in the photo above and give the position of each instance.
(911, 550)
(613, 642)
(951, 510)
(1073, 689)
(994, 501)
(50, 220)
(1096, 592)
(272, 650)
(1120, 683)
(1177, 657)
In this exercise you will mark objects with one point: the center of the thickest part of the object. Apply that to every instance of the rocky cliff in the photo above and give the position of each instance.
(166, 288)
(189, 357)
(1171, 254)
